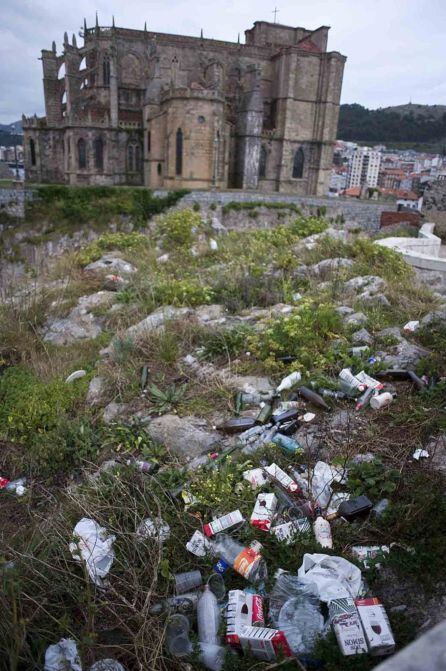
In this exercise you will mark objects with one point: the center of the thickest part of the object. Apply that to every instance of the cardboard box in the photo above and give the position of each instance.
(264, 511)
(243, 610)
(376, 626)
(288, 531)
(278, 475)
(344, 619)
(264, 643)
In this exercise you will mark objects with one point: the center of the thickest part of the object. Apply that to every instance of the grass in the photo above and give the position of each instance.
(50, 435)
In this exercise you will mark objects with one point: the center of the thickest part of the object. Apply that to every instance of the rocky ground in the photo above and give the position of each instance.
(169, 326)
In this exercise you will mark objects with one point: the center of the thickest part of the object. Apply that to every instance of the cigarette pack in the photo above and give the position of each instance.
(244, 610)
(256, 477)
(264, 643)
(223, 523)
(264, 510)
(277, 474)
(367, 553)
(346, 625)
(376, 626)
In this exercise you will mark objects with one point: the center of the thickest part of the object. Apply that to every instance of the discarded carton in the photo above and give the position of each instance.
(223, 523)
(367, 553)
(288, 531)
(256, 477)
(198, 545)
(344, 619)
(376, 626)
(264, 510)
(277, 474)
(243, 610)
(263, 643)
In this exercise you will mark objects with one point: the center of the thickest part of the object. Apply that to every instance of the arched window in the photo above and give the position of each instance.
(32, 151)
(106, 71)
(179, 153)
(159, 169)
(298, 164)
(149, 141)
(133, 157)
(262, 161)
(81, 154)
(99, 153)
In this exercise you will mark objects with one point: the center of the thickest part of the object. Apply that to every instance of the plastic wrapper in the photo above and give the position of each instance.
(335, 577)
(302, 622)
(93, 545)
(154, 528)
(62, 656)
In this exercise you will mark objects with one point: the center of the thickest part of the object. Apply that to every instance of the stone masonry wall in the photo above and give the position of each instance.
(12, 201)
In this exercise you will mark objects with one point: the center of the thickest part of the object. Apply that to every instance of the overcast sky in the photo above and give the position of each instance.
(396, 49)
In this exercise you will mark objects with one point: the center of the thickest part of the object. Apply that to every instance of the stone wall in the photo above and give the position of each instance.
(366, 214)
(12, 202)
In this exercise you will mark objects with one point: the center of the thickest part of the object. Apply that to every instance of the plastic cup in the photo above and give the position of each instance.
(177, 636)
(217, 586)
(381, 400)
(187, 581)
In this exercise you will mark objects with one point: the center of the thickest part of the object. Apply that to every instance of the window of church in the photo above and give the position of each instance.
(82, 154)
(99, 153)
(159, 169)
(179, 153)
(201, 119)
(262, 161)
(133, 157)
(32, 151)
(298, 164)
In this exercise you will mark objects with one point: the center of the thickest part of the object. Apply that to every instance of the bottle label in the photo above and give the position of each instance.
(3, 482)
(245, 562)
(221, 566)
(222, 523)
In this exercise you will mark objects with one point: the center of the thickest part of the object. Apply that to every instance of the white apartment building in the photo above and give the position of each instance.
(364, 167)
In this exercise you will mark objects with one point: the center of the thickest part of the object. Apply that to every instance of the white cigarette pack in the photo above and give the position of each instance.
(347, 627)
(376, 626)
(264, 643)
(289, 531)
(256, 477)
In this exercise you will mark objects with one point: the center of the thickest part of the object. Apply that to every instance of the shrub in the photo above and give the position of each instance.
(305, 334)
(178, 228)
(188, 292)
(129, 242)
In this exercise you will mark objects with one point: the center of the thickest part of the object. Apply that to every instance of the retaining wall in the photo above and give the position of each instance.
(12, 201)
(366, 214)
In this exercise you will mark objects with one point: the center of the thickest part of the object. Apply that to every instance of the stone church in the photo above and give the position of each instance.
(137, 107)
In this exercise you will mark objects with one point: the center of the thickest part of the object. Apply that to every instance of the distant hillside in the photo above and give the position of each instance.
(9, 127)
(419, 126)
(7, 138)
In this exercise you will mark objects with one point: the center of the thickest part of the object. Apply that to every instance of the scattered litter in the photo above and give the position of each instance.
(353, 508)
(75, 376)
(289, 382)
(234, 519)
(177, 636)
(301, 622)
(313, 398)
(322, 532)
(288, 532)
(185, 604)
(107, 665)
(378, 634)
(264, 510)
(154, 528)
(94, 546)
(16, 487)
(213, 244)
(381, 400)
(411, 326)
(199, 545)
(256, 477)
(62, 656)
(344, 619)
(420, 454)
(308, 417)
(247, 561)
(368, 553)
(286, 443)
(189, 580)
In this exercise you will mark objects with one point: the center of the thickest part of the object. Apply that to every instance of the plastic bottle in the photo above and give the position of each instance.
(208, 617)
(186, 604)
(246, 561)
(286, 443)
(322, 532)
(313, 398)
(289, 382)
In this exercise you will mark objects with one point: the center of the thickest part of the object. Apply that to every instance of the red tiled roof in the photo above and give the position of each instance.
(353, 192)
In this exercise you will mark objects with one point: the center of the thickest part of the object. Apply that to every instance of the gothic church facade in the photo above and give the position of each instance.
(168, 111)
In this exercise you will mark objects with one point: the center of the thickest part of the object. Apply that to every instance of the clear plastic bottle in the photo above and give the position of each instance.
(208, 617)
(246, 561)
(289, 382)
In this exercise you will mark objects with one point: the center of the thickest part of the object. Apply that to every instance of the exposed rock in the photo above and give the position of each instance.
(208, 313)
(356, 319)
(310, 241)
(180, 436)
(376, 299)
(371, 283)
(404, 354)
(80, 324)
(156, 320)
(344, 310)
(436, 447)
(432, 317)
(114, 411)
(342, 420)
(95, 391)
(362, 337)
(330, 265)
(250, 384)
(111, 261)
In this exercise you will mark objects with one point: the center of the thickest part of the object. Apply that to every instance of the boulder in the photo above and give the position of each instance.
(371, 283)
(403, 354)
(362, 337)
(114, 411)
(330, 265)
(181, 437)
(344, 310)
(374, 299)
(95, 391)
(111, 262)
(432, 317)
(80, 324)
(156, 320)
(356, 319)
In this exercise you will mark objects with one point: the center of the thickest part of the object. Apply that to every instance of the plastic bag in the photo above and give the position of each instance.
(62, 656)
(335, 577)
(302, 622)
(154, 528)
(322, 478)
(94, 546)
(288, 586)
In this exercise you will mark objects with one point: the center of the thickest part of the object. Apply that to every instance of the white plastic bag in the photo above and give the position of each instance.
(322, 478)
(62, 656)
(335, 577)
(94, 546)
(154, 528)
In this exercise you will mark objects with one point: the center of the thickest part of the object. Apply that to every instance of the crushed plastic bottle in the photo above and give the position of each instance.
(245, 560)
(302, 622)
